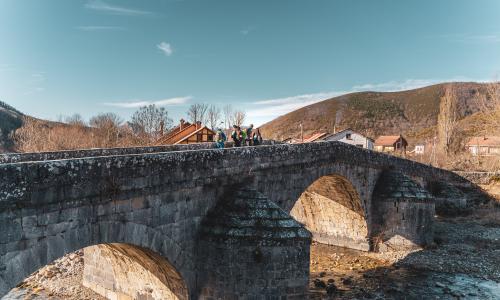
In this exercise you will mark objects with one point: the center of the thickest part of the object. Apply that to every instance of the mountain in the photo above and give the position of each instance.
(413, 113)
(10, 120)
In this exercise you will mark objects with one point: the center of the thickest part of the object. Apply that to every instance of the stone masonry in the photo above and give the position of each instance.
(403, 213)
(267, 248)
(126, 272)
(158, 200)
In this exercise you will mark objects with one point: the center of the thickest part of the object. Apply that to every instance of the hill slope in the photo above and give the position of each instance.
(10, 120)
(413, 113)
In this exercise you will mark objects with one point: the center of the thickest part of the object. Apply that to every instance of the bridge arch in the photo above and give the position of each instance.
(137, 243)
(332, 210)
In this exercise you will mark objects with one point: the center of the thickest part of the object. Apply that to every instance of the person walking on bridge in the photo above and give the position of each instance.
(237, 136)
(249, 135)
(257, 137)
(220, 139)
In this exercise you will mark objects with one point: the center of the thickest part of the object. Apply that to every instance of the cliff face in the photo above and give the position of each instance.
(413, 113)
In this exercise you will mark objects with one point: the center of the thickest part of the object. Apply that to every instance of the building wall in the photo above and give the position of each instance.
(356, 139)
(200, 137)
(484, 150)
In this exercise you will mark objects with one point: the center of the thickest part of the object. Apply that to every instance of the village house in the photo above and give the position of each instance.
(351, 137)
(187, 133)
(484, 145)
(391, 143)
(419, 149)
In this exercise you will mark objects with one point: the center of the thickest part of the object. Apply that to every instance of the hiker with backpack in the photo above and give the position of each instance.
(237, 136)
(220, 139)
(257, 137)
(249, 135)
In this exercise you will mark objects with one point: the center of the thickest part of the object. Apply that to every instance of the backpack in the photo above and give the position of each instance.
(221, 137)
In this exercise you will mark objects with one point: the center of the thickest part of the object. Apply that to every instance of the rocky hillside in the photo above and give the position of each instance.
(413, 113)
(10, 120)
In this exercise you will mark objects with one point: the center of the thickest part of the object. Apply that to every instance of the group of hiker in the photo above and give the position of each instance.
(240, 137)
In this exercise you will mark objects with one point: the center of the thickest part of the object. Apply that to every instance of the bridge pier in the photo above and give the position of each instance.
(403, 213)
(251, 249)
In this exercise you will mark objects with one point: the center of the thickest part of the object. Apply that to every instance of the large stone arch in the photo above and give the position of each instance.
(26, 259)
(331, 209)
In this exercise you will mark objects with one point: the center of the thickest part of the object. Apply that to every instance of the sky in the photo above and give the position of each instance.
(60, 57)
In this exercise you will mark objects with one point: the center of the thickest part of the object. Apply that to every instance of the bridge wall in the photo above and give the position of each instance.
(71, 154)
(157, 200)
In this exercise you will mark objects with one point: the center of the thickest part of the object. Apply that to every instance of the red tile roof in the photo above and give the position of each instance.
(177, 134)
(386, 140)
(484, 141)
(314, 137)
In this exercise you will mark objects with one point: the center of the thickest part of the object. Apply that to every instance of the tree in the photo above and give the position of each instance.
(489, 105)
(233, 117)
(239, 117)
(448, 118)
(75, 119)
(197, 113)
(150, 122)
(228, 114)
(106, 127)
(213, 116)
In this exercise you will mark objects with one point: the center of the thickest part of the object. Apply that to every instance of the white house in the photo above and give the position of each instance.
(349, 136)
(484, 145)
(420, 149)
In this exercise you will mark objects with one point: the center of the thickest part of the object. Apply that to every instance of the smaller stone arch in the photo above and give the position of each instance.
(332, 210)
(119, 271)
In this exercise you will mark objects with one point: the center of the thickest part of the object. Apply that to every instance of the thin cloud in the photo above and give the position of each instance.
(104, 7)
(140, 103)
(281, 106)
(470, 38)
(395, 86)
(166, 48)
(99, 28)
(247, 30)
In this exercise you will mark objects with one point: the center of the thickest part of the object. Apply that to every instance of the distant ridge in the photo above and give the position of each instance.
(413, 113)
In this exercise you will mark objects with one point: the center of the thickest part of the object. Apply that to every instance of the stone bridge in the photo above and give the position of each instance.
(207, 223)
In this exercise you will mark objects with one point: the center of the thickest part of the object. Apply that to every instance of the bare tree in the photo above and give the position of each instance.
(448, 118)
(150, 122)
(228, 115)
(197, 113)
(75, 119)
(106, 129)
(239, 117)
(213, 116)
(489, 105)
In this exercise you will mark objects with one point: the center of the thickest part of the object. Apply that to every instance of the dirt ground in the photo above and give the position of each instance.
(464, 263)
(60, 280)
